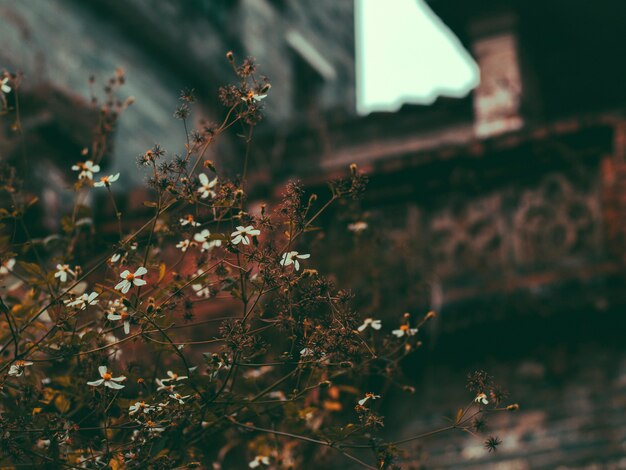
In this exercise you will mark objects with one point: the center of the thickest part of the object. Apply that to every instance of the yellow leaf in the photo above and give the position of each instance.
(62, 403)
(36, 411)
(161, 272)
(459, 416)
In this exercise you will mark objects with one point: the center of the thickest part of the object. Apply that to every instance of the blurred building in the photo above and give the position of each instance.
(507, 213)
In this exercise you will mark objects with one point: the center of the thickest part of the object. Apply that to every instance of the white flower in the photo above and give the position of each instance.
(292, 258)
(87, 169)
(163, 386)
(82, 301)
(43, 443)
(3, 85)
(178, 397)
(17, 368)
(184, 245)
(258, 460)
(481, 398)
(368, 396)
(62, 271)
(404, 330)
(107, 180)
(188, 220)
(241, 234)
(357, 227)
(154, 427)
(107, 379)
(376, 324)
(139, 406)
(131, 278)
(206, 187)
(252, 96)
(115, 258)
(117, 311)
(201, 291)
(306, 352)
(7, 266)
(203, 237)
(174, 377)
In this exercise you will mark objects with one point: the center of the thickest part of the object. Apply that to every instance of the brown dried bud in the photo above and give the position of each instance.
(230, 56)
(325, 384)
(209, 164)
(429, 315)
(513, 407)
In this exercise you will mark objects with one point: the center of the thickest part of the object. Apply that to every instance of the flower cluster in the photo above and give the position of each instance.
(230, 349)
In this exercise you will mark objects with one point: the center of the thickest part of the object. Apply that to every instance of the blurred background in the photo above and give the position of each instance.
(494, 136)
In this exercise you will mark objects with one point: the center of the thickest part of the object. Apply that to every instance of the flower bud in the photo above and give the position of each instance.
(513, 407)
(429, 315)
(230, 56)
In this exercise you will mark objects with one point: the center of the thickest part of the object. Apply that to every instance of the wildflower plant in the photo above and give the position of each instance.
(201, 336)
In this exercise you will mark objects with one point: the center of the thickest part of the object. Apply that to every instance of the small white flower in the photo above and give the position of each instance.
(258, 461)
(404, 330)
(121, 314)
(179, 398)
(130, 279)
(43, 443)
(357, 227)
(62, 272)
(107, 180)
(188, 220)
(481, 398)
(184, 245)
(107, 379)
(7, 266)
(375, 324)
(241, 234)
(306, 352)
(86, 169)
(201, 291)
(139, 406)
(174, 377)
(115, 258)
(154, 427)
(3, 85)
(82, 301)
(206, 187)
(292, 258)
(207, 244)
(17, 368)
(252, 96)
(368, 396)
(161, 385)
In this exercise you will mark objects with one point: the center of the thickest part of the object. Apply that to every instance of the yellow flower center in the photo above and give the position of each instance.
(130, 276)
(107, 376)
